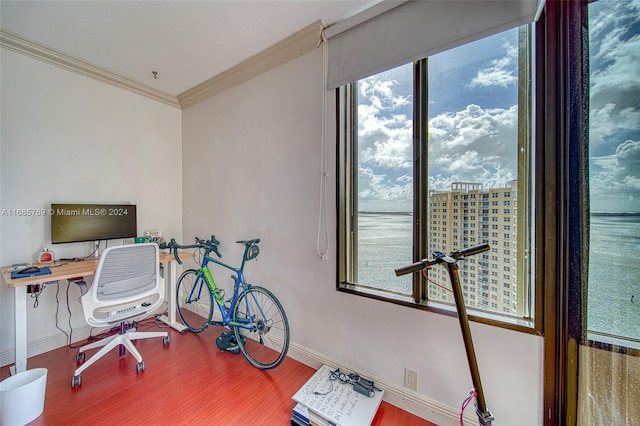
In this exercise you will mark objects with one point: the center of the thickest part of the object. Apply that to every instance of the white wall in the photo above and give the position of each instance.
(68, 138)
(251, 169)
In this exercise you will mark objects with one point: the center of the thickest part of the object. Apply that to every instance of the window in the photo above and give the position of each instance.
(602, 313)
(614, 173)
(445, 129)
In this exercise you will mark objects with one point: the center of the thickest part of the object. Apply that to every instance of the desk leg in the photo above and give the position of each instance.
(21, 329)
(170, 270)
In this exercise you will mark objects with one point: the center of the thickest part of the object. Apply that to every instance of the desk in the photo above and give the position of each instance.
(70, 270)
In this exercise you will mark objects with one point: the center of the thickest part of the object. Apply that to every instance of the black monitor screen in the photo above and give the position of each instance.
(72, 223)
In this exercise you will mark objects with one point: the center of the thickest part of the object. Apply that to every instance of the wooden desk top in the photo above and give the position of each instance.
(71, 270)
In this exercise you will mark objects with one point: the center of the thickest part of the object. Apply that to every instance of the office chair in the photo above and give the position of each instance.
(127, 284)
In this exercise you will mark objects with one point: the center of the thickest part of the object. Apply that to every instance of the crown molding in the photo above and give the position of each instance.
(297, 44)
(18, 44)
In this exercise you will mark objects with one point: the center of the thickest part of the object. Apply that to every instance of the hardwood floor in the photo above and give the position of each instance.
(189, 382)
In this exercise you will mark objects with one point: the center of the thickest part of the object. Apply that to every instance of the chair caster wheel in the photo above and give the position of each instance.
(140, 367)
(166, 340)
(80, 357)
(76, 381)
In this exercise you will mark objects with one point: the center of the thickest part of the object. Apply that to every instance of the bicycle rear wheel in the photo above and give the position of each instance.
(266, 342)
(194, 301)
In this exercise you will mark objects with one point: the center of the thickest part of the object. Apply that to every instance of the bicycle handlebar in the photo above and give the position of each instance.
(210, 245)
(440, 257)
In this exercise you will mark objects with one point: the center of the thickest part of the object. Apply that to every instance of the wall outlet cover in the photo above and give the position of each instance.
(411, 379)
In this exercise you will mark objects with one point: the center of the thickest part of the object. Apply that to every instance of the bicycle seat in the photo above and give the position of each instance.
(249, 242)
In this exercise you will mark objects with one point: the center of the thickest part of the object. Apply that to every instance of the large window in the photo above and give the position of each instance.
(436, 156)
(613, 309)
(604, 315)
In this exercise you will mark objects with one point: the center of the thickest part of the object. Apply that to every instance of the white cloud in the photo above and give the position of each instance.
(377, 193)
(502, 72)
(384, 133)
(614, 116)
(474, 145)
(614, 79)
(601, 122)
(615, 177)
(632, 182)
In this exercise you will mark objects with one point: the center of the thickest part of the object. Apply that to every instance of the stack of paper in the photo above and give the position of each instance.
(324, 401)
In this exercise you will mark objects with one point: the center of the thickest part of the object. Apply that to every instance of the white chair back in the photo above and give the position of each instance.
(127, 284)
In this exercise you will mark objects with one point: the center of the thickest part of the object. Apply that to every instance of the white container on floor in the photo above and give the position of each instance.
(22, 397)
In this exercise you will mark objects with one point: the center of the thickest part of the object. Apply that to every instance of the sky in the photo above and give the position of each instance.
(614, 42)
(473, 117)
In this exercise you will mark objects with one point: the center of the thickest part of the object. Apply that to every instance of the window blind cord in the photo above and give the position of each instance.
(322, 210)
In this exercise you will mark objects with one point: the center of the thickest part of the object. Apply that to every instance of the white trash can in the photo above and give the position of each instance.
(22, 397)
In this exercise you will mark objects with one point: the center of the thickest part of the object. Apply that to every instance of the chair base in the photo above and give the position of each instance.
(124, 339)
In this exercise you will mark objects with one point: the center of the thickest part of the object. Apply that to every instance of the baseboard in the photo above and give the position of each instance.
(45, 344)
(406, 399)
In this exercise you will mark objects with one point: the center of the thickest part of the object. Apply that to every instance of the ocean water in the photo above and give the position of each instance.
(385, 243)
(614, 275)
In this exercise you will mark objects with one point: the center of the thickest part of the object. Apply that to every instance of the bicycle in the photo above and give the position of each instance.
(254, 314)
(485, 417)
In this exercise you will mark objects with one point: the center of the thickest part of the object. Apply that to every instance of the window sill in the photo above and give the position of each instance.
(475, 315)
(613, 343)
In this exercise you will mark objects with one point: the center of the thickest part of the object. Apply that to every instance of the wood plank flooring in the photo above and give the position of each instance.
(189, 382)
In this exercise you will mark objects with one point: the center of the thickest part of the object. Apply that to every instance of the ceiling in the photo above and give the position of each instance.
(185, 42)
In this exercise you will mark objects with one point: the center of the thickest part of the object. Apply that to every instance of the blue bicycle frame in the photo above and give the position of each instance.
(240, 286)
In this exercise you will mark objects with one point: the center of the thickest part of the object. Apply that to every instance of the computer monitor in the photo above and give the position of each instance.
(71, 223)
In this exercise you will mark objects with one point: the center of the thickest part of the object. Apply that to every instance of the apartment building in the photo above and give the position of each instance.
(470, 214)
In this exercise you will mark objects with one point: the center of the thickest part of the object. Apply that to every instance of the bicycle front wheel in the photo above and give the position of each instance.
(263, 336)
(194, 301)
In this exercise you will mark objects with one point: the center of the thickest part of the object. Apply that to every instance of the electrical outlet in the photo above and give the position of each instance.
(411, 378)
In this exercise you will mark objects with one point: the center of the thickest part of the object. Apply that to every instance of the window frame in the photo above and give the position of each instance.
(347, 169)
